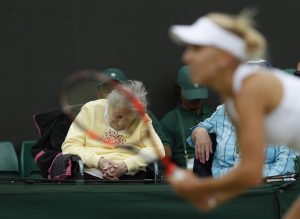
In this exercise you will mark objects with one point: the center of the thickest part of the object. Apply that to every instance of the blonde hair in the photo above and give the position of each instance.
(242, 25)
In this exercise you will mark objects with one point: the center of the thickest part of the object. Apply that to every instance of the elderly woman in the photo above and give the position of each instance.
(118, 123)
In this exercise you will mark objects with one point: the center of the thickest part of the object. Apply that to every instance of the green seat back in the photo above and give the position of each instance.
(29, 169)
(9, 165)
(297, 166)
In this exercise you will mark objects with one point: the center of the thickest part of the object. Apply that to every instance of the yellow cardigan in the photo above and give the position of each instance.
(77, 142)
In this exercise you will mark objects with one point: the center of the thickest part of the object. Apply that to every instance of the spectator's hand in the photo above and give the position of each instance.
(115, 171)
(203, 145)
(298, 67)
(104, 164)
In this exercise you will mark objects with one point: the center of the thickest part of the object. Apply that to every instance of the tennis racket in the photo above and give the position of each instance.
(81, 87)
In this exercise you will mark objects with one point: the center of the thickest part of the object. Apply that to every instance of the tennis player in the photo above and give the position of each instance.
(264, 105)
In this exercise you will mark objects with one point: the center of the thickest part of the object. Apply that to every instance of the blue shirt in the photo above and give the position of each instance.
(279, 159)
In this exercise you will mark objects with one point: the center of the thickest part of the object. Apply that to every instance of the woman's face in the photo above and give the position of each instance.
(204, 63)
(120, 118)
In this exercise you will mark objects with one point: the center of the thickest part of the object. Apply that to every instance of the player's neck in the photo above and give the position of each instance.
(224, 83)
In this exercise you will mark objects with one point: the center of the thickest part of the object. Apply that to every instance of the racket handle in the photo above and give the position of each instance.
(171, 170)
(169, 166)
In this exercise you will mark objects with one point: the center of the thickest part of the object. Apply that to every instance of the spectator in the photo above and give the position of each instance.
(115, 74)
(107, 163)
(105, 89)
(189, 112)
(278, 160)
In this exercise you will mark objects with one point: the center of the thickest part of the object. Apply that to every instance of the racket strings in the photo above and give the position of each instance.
(82, 92)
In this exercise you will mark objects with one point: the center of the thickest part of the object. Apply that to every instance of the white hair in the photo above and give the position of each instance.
(116, 99)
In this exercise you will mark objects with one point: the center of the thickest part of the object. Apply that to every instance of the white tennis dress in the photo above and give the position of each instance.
(282, 125)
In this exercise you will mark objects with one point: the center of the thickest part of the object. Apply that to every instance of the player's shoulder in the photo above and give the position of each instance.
(263, 76)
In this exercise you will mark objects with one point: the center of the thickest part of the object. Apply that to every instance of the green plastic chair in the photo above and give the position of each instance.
(297, 166)
(29, 169)
(9, 165)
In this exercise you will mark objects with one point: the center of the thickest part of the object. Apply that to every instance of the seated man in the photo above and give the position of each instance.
(189, 112)
(115, 120)
(279, 160)
(115, 74)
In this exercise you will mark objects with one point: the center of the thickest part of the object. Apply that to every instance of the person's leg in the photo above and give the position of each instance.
(294, 211)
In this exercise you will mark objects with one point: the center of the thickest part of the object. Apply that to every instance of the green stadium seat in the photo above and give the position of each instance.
(29, 169)
(9, 165)
(297, 166)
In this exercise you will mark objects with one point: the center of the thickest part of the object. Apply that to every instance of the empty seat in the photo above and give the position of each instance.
(29, 169)
(9, 165)
(297, 166)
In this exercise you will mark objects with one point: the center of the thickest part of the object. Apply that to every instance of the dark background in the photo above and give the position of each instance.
(43, 41)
